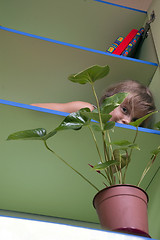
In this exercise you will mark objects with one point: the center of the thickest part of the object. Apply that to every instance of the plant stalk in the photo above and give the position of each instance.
(95, 140)
(106, 154)
(147, 168)
(101, 159)
(60, 158)
(100, 122)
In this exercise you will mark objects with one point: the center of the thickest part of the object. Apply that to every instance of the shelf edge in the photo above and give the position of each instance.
(76, 46)
(118, 5)
(64, 114)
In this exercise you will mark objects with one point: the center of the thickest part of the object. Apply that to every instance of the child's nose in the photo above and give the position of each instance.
(125, 120)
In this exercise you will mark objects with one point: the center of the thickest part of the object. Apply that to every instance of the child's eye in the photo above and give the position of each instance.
(124, 110)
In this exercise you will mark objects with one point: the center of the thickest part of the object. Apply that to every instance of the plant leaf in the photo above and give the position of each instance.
(124, 145)
(75, 120)
(32, 134)
(90, 75)
(95, 116)
(96, 127)
(156, 151)
(108, 109)
(107, 164)
(109, 125)
(110, 103)
(132, 146)
(123, 160)
(50, 134)
(138, 122)
(105, 118)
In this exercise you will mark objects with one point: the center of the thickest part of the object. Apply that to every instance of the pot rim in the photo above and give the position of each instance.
(121, 185)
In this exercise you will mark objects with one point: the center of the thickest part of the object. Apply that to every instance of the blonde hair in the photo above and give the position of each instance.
(139, 96)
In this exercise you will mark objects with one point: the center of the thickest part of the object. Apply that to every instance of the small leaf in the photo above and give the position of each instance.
(90, 75)
(107, 164)
(96, 127)
(123, 160)
(93, 167)
(108, 109)
(105, 118)
(156, 151)
(117, 155)
(109, 125)
(32, 134)
(114, 100)
(134, 146)
(122, 143)
(139, 121)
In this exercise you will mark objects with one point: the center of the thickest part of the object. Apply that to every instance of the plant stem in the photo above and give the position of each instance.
(100, 122)
(152, 178)
(106, 154)
(111, 150)
(94, 138)
(120, 170)
(101, 159)
(147, 168)
(60, 158)
(134, 142)
(126, 167)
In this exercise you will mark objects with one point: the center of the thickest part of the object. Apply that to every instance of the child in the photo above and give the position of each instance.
(137, 104)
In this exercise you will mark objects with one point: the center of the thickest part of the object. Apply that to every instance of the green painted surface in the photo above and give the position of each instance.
(154, 189)
(86, 23)
(83, 22)
(154, 87)
(34, 181)
(155, 6)
(34, 70)
(154, 207)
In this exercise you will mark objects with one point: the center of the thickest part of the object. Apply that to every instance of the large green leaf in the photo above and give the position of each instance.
(32, 134)
(95, 116)
(139, 121)
(90, 75)
(75, 120)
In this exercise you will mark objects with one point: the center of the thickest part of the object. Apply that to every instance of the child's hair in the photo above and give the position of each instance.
(139, 96)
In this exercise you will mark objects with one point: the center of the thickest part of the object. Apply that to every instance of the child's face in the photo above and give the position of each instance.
(125, 113)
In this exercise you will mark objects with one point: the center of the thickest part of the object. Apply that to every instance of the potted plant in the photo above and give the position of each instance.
(126, 205)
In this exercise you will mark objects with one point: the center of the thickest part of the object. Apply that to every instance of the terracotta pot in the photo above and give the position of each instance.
(123, 208)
